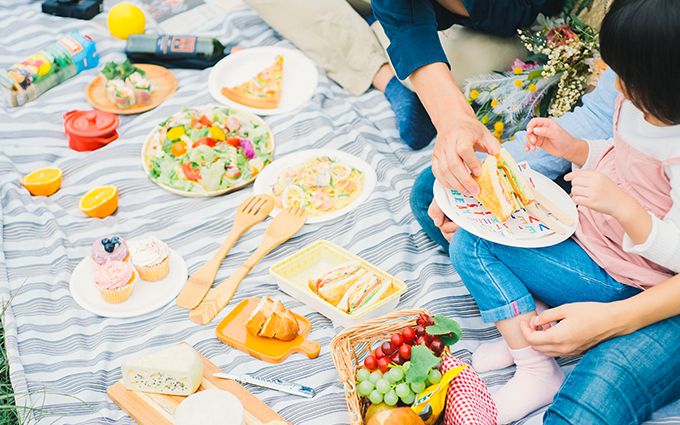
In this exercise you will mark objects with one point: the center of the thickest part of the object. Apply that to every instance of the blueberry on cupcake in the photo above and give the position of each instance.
(109, 248)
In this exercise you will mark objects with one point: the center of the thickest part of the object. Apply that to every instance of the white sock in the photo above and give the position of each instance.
(492, 356)
(536, 381)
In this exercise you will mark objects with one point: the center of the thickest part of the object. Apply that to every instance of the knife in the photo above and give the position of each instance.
(274, 384)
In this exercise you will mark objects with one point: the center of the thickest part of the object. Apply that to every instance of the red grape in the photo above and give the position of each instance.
(437, 345)
(396, 340)
(387, 348)
(405, 352)
(421, 340)
(430, 320)
(384, 364)
(408, 334)
(420, 330)
(379, 354)
(429, 338)
(395, 357)
(371, 362)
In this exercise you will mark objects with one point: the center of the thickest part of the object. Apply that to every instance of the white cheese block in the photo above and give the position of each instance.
(210, 407)
(175, 370)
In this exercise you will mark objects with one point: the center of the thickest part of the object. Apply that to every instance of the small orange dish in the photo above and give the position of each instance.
(43, 181)
(100, 202)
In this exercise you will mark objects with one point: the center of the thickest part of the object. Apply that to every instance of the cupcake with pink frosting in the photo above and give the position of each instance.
(109, 248)
(150, 258)
(115, 281)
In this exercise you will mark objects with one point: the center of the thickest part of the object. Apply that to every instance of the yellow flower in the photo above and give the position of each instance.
(499, 126)
(517, 70)
(518, 83)
(532, 87)
(485, 119)
(494, 103)
(474, 94)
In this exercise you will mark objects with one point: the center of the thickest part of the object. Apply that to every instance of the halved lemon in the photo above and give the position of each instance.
(100, 202)
(43, 181)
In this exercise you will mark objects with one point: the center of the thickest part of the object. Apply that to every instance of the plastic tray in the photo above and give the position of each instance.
(293, 274)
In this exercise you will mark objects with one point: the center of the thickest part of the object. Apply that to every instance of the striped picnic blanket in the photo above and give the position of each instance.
(62, 357)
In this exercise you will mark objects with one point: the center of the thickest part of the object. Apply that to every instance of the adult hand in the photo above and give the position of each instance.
(445, 225)
(580, 326)
(454, 153)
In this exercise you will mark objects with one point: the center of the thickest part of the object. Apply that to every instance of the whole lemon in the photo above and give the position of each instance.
(126, 19)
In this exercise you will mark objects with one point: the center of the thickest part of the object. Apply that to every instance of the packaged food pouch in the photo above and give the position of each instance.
(429, 404)
(47, 68)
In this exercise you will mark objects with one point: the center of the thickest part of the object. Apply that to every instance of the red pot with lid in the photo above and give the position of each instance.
(90, 130)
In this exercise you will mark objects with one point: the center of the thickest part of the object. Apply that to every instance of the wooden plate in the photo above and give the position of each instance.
(163, 82)
(159, 409)
(232, 331)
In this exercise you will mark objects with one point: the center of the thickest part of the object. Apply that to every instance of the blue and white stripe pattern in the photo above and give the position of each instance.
(65, 357)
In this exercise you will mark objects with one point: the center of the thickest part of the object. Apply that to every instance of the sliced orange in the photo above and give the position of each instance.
(43, 181)
(100, 202)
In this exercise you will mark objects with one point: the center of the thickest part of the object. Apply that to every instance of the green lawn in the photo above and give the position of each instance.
(8, 412)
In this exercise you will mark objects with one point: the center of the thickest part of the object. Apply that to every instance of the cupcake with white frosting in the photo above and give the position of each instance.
(150, 258)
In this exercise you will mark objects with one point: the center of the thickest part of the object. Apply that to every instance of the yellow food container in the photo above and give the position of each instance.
(294, 272)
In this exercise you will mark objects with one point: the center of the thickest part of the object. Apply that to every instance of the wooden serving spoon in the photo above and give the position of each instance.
(251, 211)
(282, 227)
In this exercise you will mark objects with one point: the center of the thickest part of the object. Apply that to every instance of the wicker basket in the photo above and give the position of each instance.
(354, 343)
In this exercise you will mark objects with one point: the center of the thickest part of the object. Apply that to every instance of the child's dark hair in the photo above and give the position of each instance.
(640, 41)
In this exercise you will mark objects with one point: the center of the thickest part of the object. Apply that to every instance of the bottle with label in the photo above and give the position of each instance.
(175, 51)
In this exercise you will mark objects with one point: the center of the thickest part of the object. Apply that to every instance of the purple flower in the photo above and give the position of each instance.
(248, 149)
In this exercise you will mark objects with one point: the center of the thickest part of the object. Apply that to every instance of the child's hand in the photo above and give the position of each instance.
(546, 134)
(596, 191)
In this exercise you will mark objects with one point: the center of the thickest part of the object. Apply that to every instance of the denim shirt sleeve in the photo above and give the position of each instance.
(411, 26)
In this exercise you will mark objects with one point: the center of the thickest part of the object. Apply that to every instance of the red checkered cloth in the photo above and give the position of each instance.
(468, 401)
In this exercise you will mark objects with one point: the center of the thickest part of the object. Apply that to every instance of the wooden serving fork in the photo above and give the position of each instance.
(251, 211)
(282, 227)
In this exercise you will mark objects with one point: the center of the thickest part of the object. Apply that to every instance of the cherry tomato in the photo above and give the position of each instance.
(234, 141)
(405, 352)
(420, 330)
(379, 353)
(387, 348)
(190, 172)
(371, 362)
(384, 364)
(408, 334)
(396, 340)
(208, 141)
(205, 121)
(421, 340)
(178, 149)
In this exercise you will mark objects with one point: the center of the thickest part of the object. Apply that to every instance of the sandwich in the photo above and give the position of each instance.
(503, 187)
(367, 290)
(271, 319)
(333, 285)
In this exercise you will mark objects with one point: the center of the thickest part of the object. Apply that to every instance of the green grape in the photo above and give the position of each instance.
(434, 376)
(383, 386)
(409, 398)
(391, 398)
(375, 376)
(418, 387)
(406, 365)
(363, 374)
(403, 389)
(396, 375)
(365, 388)
(375, 397)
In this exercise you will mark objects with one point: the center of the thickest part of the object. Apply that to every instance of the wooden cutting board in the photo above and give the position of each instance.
(159, 409)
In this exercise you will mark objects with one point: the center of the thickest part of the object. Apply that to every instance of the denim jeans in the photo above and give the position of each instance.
(504, 280)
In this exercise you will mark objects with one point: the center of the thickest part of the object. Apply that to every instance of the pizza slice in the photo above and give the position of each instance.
(262, 91)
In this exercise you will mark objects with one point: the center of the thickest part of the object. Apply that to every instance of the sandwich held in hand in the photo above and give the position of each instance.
(262, 91)
(503, 189)
(271, 319)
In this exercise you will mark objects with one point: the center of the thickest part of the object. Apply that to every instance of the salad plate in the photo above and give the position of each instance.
(207, 151)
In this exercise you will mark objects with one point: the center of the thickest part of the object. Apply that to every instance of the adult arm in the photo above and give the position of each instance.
(583, 325)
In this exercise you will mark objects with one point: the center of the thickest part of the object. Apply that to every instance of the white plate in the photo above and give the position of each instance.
(300, 76)
(267, 178)
(521, 230)
(146, 296)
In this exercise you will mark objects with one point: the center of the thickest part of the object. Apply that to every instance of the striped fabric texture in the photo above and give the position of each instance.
(63, 358)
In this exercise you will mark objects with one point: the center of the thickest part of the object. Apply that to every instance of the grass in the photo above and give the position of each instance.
(8, 410)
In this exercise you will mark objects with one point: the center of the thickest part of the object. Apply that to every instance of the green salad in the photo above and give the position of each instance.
(208, 149)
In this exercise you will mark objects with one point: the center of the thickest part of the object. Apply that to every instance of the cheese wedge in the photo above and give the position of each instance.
(175, 370)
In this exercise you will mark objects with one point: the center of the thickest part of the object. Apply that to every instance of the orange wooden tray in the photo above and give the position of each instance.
(163, 82)
(159, 409)
(232, 331)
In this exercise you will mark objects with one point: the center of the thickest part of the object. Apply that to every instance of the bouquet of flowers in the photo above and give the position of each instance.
(564, 63)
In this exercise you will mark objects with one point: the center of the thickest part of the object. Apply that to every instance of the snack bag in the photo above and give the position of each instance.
(429, 404)
(47, 68)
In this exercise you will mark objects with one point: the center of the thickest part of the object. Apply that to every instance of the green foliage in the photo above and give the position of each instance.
(448, 329)
(422, 361)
